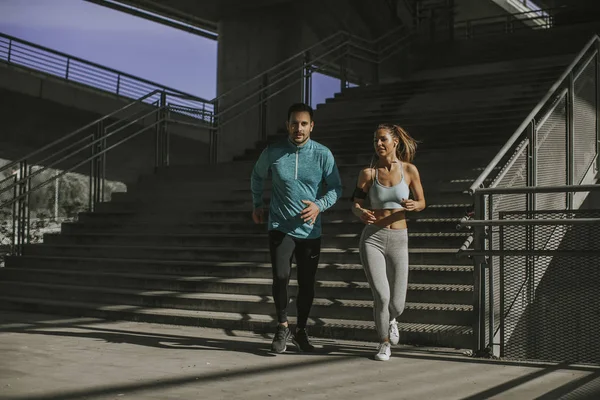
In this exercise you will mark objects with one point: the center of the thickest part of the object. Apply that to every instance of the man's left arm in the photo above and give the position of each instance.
(331, 176)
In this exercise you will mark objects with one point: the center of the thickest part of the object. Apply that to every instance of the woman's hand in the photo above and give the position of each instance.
(367, 216)
(412, 205)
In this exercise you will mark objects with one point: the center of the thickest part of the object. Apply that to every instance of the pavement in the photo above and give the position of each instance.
(45, 357)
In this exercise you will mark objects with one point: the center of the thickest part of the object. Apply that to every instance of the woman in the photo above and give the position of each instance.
(386, 186)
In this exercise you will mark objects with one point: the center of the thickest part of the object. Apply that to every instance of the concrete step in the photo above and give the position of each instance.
(433, 138)
(194, 196)
(470, 81)
(188, 193)
(397, 107)
(429, 138)
(452, 240)
(357, 290)
(349, 113)
(194, 200)
(194, 173)
(509, 94)
(416, 225)
(424, 334)
(424, 313)
(340, 211)
(437, 256)
(503, 93)
(431, 174)
(441, 274)
(243, 202)
(460, 118)
(464, 145)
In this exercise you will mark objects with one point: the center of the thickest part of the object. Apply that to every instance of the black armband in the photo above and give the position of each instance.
(358, 194)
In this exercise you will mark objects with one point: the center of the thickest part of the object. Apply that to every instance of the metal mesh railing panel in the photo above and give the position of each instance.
(584, 113)
(515, 175)
(550, 302)
(551, 157)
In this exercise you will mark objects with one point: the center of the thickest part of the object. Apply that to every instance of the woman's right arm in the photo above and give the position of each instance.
(359, 196)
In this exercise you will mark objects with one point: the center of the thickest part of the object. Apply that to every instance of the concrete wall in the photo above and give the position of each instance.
(253, 40)
(249, 44)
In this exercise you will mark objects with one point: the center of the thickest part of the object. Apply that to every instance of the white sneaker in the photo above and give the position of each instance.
(384, 352)
(393, 332)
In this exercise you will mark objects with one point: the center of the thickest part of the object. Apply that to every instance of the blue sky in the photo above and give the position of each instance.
(159, 53)
(134, 45)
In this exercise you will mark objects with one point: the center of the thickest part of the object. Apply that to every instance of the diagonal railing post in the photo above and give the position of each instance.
(570, 139)
(262, 108)
(344, 67)
(10, 42)
(167, 136)
(162, 130)
(98, 161)
(102, 146)
(15, 219)
(597, 77)
(531, 164)
(22, 209)
(214, 134)
(92, 170)
(479, 271)
(450, 17)
(307, 77)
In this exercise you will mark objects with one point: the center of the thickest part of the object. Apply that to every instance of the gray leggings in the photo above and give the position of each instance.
(384, 255)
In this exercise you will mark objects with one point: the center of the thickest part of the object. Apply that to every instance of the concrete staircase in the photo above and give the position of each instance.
(180, 247)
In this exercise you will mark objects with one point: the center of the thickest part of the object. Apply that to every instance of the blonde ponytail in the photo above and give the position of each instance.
(407, 146)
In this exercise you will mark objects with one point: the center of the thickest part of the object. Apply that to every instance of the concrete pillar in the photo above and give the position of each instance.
(249, 44)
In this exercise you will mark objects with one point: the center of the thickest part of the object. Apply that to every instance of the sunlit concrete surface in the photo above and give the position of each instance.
(54, 357)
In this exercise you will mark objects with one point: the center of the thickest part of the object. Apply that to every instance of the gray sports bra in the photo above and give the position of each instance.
(388, 197)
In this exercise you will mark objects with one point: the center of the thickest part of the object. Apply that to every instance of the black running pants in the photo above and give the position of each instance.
(307, 251)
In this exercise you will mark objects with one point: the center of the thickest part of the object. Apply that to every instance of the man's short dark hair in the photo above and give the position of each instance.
(300, 107)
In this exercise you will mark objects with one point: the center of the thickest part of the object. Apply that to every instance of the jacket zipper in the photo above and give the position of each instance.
(296, 164)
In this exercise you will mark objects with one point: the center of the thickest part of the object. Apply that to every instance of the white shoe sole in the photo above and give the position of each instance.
(394, 340)
(279, 352)
(382, 358)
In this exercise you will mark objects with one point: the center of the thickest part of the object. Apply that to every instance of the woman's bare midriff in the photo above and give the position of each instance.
(391, 219)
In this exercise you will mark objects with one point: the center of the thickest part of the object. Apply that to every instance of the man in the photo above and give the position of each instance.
(298, 167)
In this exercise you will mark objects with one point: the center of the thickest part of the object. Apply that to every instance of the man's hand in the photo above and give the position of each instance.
(258, 215)
(309, 214)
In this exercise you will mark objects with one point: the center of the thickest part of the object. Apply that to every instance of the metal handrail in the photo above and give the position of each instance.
(70, 135)
(66, 66)
(69, 155)
(293, 70)
(505, 16)
(74, 167)
(301, 54)
(539, 189)
(530, 117)
(529, 222)
(271, 95)
(278, 80)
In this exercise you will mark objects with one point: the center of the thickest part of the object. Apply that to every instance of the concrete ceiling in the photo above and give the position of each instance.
(325, 17)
